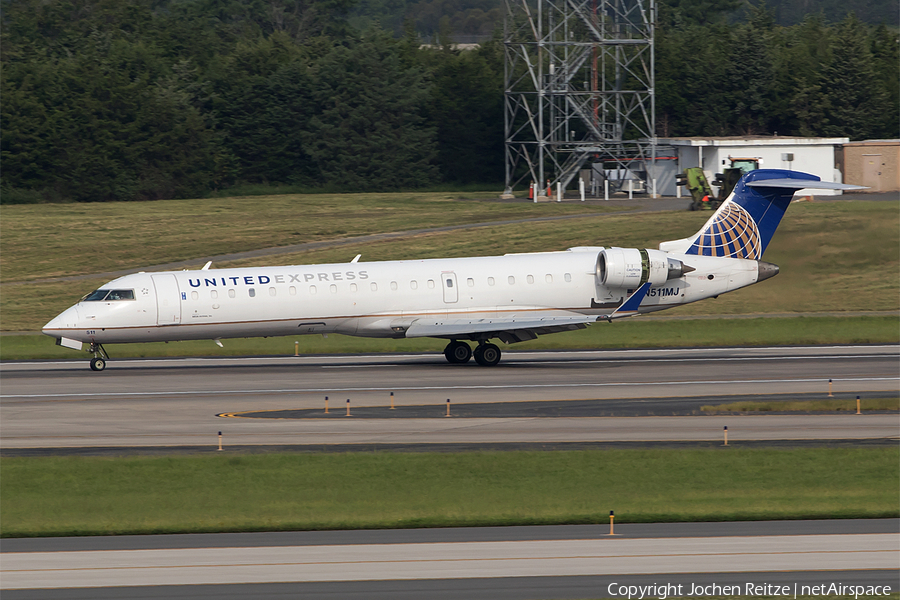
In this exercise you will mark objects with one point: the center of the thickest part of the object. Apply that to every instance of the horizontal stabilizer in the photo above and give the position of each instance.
(802, 184)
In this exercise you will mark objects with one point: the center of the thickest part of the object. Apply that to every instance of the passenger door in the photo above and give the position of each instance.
(168, 299)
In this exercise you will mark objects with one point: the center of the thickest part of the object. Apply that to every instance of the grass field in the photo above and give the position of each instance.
(834, 256)
(51, 240)
(94, 496)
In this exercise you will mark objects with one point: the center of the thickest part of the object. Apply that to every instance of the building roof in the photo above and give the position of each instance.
(874, 143)
(752, 140)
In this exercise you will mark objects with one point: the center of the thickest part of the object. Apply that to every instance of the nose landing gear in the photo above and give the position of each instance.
(98, 363)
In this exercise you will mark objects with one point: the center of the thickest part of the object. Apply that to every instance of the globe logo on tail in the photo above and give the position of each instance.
(731, 232)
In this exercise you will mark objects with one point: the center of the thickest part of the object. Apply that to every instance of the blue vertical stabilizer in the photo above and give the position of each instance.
(745, 223)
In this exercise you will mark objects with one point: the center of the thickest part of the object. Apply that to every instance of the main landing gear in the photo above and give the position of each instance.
(98, 363)
(486, 355)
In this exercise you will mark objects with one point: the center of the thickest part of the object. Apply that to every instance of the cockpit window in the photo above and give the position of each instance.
(95, 296)
(109, 295)
(120, 295)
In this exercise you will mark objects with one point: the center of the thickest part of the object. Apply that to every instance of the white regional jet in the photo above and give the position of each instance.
(514, 297)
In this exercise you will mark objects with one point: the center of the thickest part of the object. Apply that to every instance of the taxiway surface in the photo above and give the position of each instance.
(509, 562)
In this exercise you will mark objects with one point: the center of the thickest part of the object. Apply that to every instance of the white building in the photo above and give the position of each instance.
(810, 155)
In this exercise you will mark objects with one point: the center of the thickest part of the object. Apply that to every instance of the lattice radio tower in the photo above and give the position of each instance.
(579, 88)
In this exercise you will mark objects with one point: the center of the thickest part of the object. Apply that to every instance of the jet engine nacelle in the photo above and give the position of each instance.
(630, 267)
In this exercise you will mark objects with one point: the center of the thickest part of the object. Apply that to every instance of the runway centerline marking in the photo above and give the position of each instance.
(439, 560)
(427, 388)
(885, 348)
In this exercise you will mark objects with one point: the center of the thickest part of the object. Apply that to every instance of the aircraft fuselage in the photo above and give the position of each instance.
(378, 299)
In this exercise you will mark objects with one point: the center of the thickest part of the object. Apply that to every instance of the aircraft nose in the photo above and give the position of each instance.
(67, 319)
(53, 324)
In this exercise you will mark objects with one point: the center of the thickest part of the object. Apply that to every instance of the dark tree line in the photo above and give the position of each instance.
(147, 99)
(757, 78)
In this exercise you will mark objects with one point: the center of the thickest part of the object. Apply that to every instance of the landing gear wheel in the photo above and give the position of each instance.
(457, 352)
(487, 355)
(98, 364)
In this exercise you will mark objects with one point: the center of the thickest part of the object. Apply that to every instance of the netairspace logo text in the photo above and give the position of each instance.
(668, 590)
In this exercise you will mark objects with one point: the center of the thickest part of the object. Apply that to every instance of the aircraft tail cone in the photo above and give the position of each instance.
(766, 270)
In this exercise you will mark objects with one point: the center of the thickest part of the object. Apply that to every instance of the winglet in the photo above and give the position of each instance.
(630, 306)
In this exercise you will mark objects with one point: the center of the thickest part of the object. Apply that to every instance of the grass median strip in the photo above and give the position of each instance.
(845, 405)
(273, 492)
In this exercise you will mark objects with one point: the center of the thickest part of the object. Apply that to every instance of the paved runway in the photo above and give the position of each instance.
(458, 563)
(163, 403)
(176, 402)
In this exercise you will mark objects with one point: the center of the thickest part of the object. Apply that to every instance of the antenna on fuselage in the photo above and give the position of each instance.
(206, 266)
(356, 258)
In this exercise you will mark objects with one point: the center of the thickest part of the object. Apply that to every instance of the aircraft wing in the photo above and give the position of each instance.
(521, 327)
(510, 329)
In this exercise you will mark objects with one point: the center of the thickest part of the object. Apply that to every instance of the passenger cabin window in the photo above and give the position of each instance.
(252, 293)
(470, 282)
(568, 277)
(413, 284)
(333, 288)
(374, 287)
(312, 290)
(490, 281)
(512, 280)
(109, 295)
(195, 295)
(272, 291)
(353, 287)
(213, 294)
(292, 291)
(431, 284)
(231, 293)
(530, 279)
(548, 278)
(394, 285)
